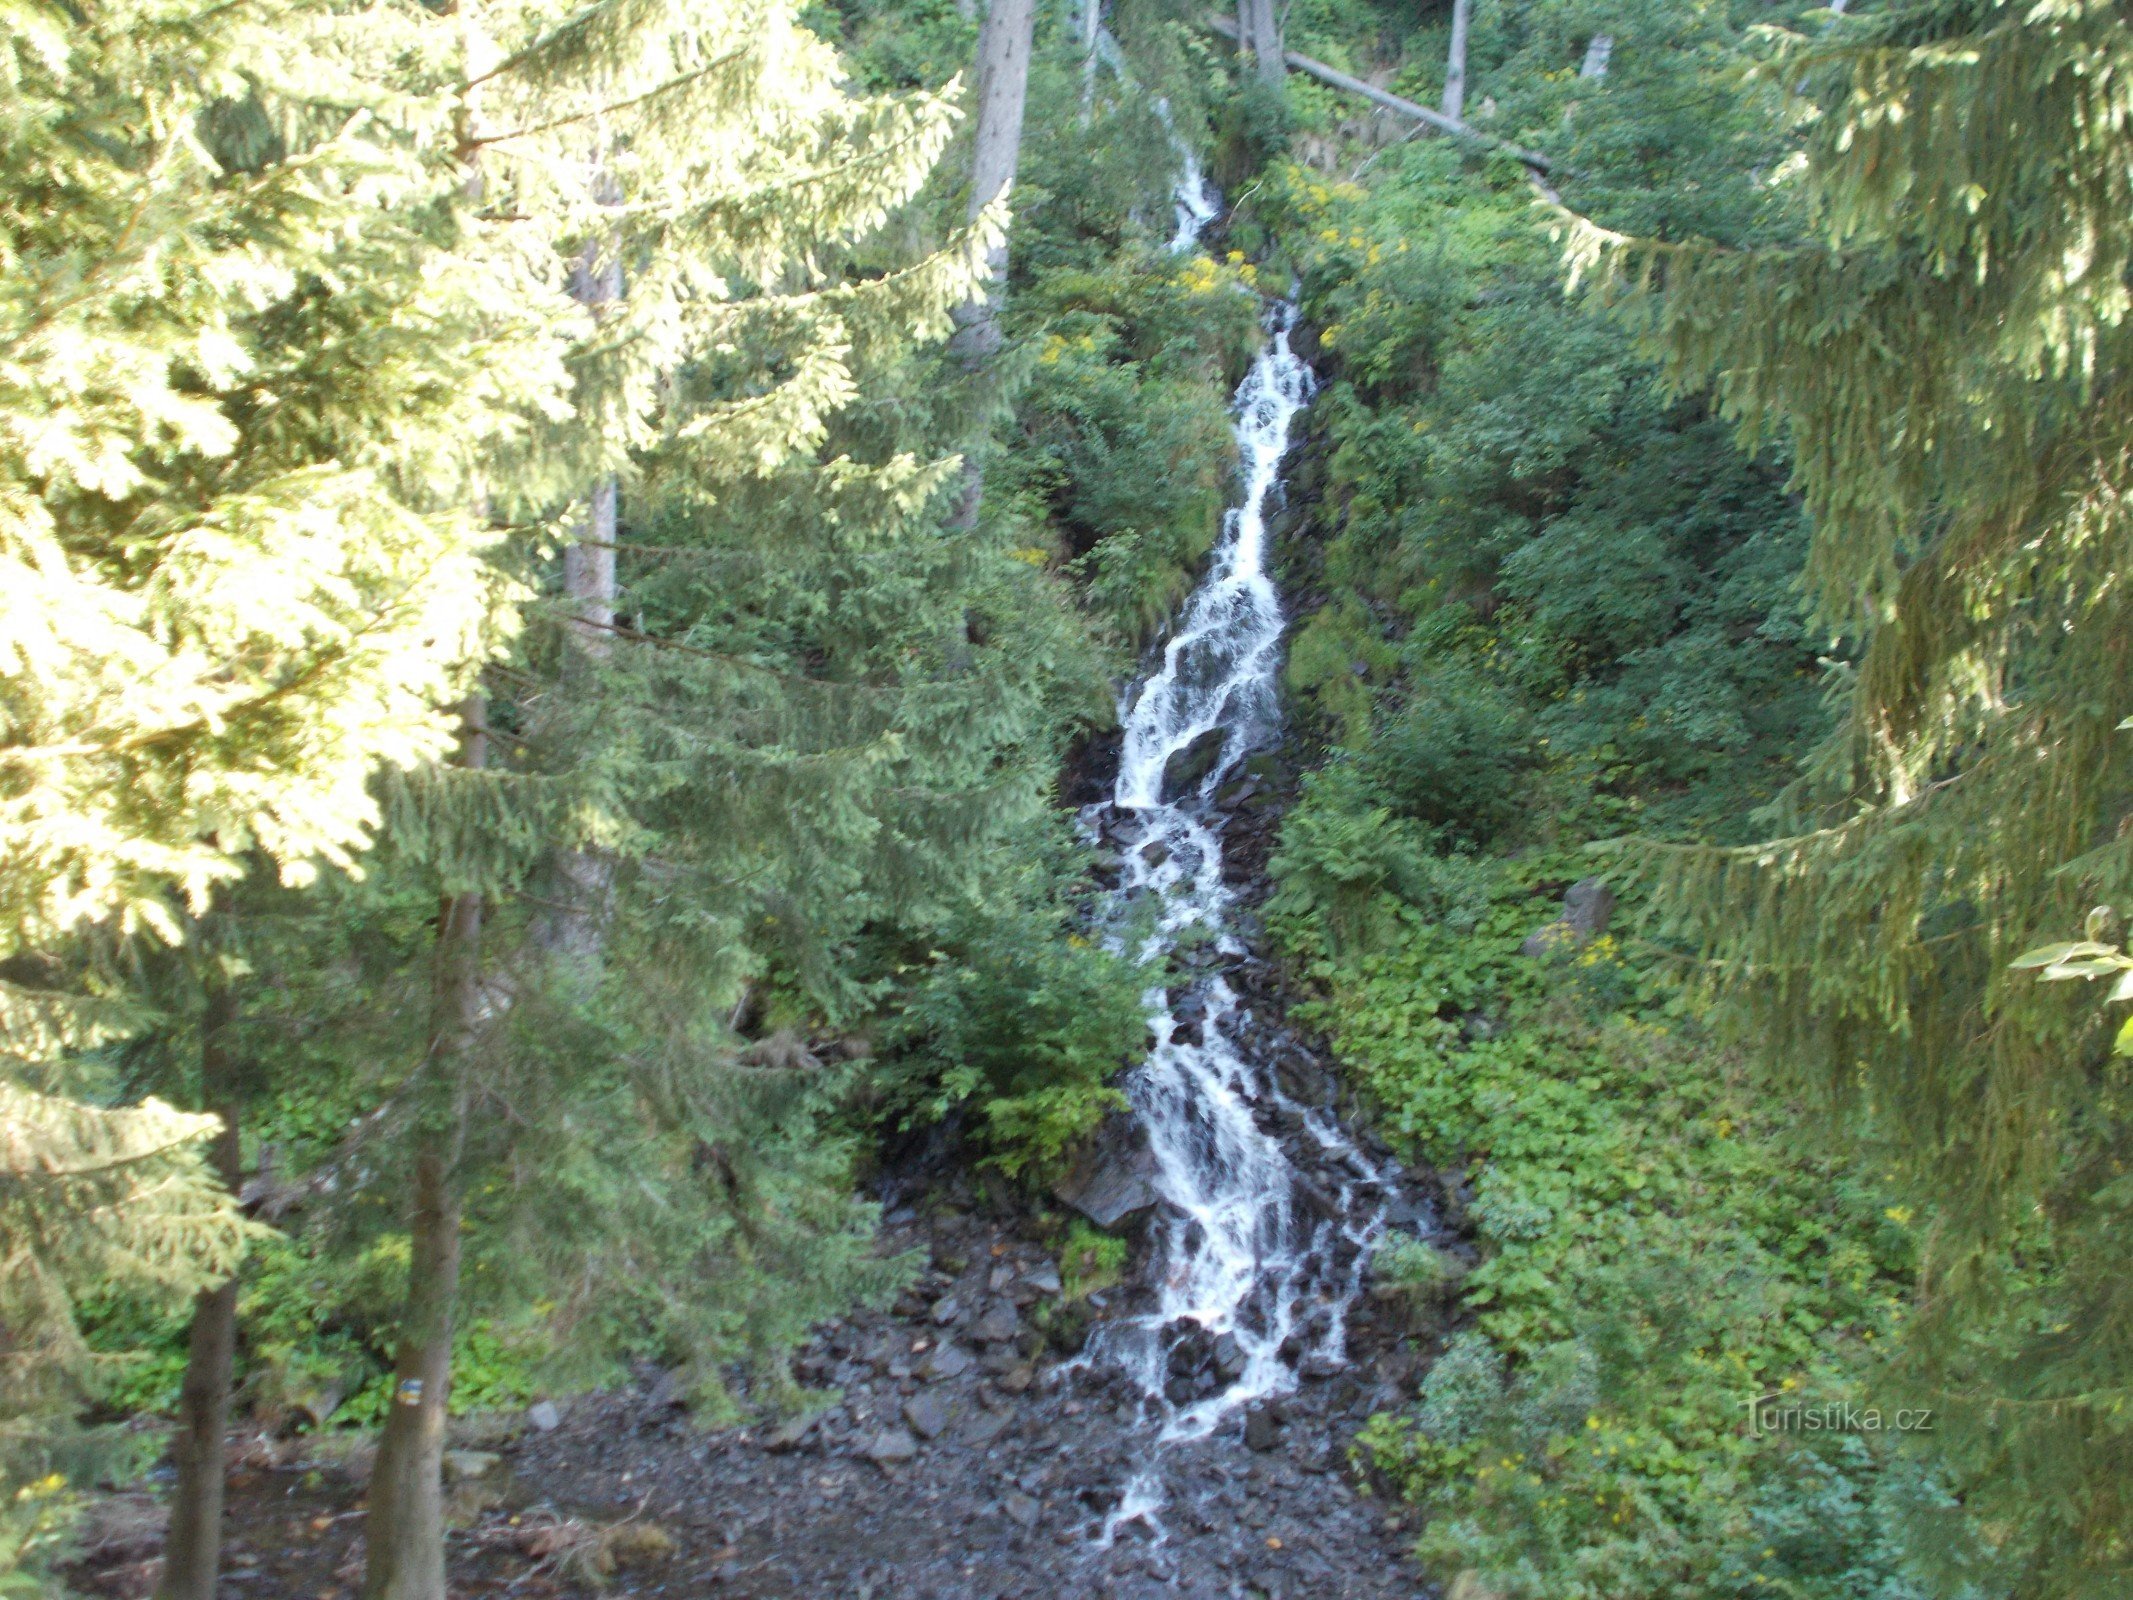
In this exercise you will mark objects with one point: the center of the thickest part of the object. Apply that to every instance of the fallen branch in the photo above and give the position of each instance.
(1392, 102)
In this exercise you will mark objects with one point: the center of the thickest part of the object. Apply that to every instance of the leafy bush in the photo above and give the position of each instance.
(1458, 755)
(1024, 1027)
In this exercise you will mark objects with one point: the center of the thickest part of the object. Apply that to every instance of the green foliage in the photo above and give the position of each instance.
(1941, 335)
(1658, 1247)
(1090, 1261)
(1027, 1030)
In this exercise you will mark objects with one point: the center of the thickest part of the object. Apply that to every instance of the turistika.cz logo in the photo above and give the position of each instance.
(1779, 1412)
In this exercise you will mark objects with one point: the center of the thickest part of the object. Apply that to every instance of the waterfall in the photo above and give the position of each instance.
(1245, 1252)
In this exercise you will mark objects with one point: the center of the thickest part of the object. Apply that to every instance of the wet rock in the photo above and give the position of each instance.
(1193, 1347)
(1115, 1176)
(1229, 1358)
(1261, 1431)
(1183, 772)
(889, 1447)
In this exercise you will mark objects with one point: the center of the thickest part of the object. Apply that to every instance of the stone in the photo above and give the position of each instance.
(1044, 1278)
(1115, 1176)
(1021, 1509)
(928, 1417)
(544, 1416)
(1588, 907)
(998, 1325)
(946, 1310)
(1018, 1380)
(1187, 768)
(460, 1465)
(790, 1433)
(985, 1427)
(1230, 1358)
(890, 1447)
(1261, 1432)
(948, 1360)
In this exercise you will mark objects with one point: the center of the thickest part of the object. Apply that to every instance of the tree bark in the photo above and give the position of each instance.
(1004, 44)
(405, 1535)
(192, 1550)
(1259, 35)
(581, 882)
(1003, 93)
(1455, 63)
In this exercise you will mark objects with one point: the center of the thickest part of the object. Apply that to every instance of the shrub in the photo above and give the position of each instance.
(1025, 1028)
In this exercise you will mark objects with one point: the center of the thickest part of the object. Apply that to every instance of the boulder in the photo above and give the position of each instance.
(1588, 907)
(889, 1447)
(998, 1325)
(1260, 1430)
(949, 1360)
(928, 1417)
(544, 1415)
(1191, 764)
(1115, 1176)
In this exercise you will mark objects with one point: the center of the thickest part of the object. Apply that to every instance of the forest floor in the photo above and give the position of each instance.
(952, 1468)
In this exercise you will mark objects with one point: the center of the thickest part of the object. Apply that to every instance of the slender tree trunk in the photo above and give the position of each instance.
(1455, 63)
(581, 882)
(192, 1550)
(405, 1535)
(1597, 55)
(1003, 91)
(1092, 22)
(1259, 33)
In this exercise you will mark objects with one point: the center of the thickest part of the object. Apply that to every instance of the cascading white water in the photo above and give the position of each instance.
(1236, 1259)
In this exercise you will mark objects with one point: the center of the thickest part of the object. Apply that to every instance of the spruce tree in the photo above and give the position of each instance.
(252, 368)
(1945, 341)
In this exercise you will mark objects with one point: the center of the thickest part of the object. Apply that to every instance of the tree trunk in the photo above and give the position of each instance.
(405, 1534)
(581, 882)
(1003, 91)
(1259, 34)
(1091, 21)
(192, 1550)
(1455, 63)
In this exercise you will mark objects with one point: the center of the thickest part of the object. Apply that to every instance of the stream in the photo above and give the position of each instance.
(1254, 1265)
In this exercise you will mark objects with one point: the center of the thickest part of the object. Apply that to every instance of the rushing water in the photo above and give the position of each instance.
(1238, 1257)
